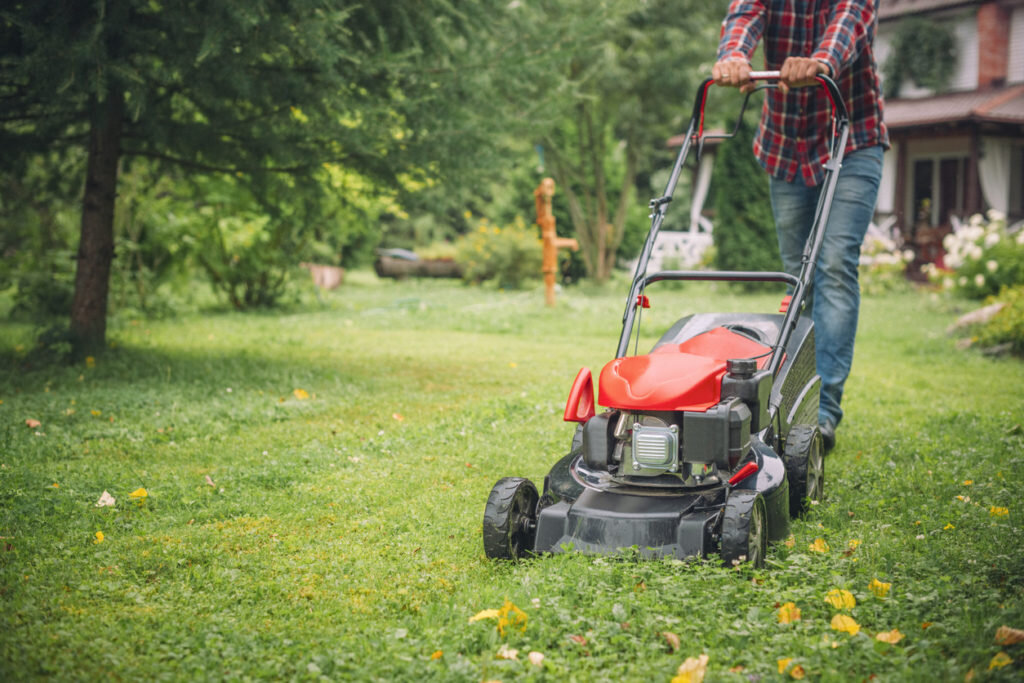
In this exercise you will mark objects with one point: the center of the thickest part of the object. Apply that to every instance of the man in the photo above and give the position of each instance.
(801, 39)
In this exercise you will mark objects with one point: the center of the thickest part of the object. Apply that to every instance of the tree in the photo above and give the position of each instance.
(246, 89)
(624, 95)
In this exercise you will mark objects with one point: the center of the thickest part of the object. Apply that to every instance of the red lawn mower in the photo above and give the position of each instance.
(709, 442)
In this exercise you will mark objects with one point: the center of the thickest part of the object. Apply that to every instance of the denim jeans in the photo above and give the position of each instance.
(835, 301)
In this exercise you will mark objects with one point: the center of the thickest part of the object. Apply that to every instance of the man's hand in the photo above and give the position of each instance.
(798, 72)
(733, 73)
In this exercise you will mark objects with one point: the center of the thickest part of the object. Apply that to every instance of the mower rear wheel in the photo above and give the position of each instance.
(744, 529)
(805, 467)
(510, 519)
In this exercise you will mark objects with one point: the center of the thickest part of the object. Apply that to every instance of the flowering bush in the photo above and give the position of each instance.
(1006, 328)
(882, 265)
(510, 255)
(983, 256)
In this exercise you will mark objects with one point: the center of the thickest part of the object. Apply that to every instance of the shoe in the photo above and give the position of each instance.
(828, 434)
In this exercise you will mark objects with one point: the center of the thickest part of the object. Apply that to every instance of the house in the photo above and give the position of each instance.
(955, 116)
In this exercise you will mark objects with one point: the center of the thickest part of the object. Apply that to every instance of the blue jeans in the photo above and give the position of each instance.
(835, 300)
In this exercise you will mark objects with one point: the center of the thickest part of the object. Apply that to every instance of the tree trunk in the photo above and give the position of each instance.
(96, 245)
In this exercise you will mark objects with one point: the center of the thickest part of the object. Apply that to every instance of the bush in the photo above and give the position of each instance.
(510, 256)
(1006, 328)
(983, 257)
(883, 266)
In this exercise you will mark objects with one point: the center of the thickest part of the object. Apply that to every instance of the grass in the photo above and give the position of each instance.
(334, 531)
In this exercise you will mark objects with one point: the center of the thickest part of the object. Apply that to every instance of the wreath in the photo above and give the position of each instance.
(922, 51)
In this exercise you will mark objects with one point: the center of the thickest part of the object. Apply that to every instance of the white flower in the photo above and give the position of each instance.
(974, 252)
(991, 240)
(962, 281)
(949, 241)
(994, 215)
(992, 266)
(976, 219)
(1020, 237)
(979, 280)
(908, 255)
(947, 283)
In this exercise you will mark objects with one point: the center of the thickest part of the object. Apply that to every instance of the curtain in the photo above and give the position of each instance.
(994, 171)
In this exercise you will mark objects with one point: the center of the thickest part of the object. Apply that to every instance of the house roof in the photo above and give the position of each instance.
(990, 105)
(889, 9)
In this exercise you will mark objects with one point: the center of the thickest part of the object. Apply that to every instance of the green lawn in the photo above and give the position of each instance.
(316, 482)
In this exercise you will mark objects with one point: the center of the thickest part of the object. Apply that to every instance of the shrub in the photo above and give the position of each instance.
(1007, 326)
(882, 266)
(983, 257)
(509, 255)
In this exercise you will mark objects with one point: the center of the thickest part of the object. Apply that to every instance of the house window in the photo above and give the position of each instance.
(939, 189)
(1017, 183)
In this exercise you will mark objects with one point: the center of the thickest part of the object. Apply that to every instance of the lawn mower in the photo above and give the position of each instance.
(708, 443)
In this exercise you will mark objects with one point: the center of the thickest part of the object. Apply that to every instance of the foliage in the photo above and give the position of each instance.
(1005, 330)
(334, 532)
(509, 255)
(625, 92)
(983, 256)
(923, 51)
(883, 266)
(744, 226)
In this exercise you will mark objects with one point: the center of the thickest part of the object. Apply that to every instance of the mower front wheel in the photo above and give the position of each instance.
(510, 519)
(744, 529)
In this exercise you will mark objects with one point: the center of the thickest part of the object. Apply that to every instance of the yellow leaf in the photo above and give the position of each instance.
(511, 616)
(999, 661)
(96, 413)
(798, 672)
(32, 424)
(301, 394)
(790, 542)
(139, 493)
(692, 670)
(789, 613)
(99, 537)
(968, 482)
(1008, 636)
(948, 527)
(56, 485)
(784, 664)
(879, 588)
(996, 511)
(819, 546)
(841, 622)
(841, 599)
(485, 614)
(853, 543)
(437, 654)
(892, 637)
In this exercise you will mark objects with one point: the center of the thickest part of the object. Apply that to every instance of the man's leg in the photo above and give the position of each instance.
(836, 292)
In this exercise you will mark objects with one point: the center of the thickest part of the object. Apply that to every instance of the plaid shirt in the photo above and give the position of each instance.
(793, 136)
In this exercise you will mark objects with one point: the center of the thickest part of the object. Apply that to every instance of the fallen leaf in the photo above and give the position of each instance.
(968, 482)
(437, 654)
(892, 637)
(819, 546)
(484, 614)
(510, 615)
(506, 652)
(210, 481)
(841, 599)
(96, 413)
(139, 493)
(925, 624)
(536, 658)
(841, 622)
(99, 537)
(1008, 636)
(790, 542)
(736, 669)
(798, 672)
(999, 661)
(397, 416)
(672, 638)
(106, 500)
(579, 640)
(32, 424)
(948, 527)
(301, 394)
(788, 613)
(879, 588)
(56, 485)
(692, 670)
(996, 511)
(784, 664)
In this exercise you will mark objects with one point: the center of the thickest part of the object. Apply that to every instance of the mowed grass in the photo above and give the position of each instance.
(316, 483)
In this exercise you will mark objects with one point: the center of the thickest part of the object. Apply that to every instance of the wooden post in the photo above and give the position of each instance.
(551, 241)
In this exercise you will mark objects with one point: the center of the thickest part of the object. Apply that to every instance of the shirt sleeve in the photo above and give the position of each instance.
(741, 29)
(846, 35)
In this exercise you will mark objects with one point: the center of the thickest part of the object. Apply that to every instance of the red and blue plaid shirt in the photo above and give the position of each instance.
(793, 136)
